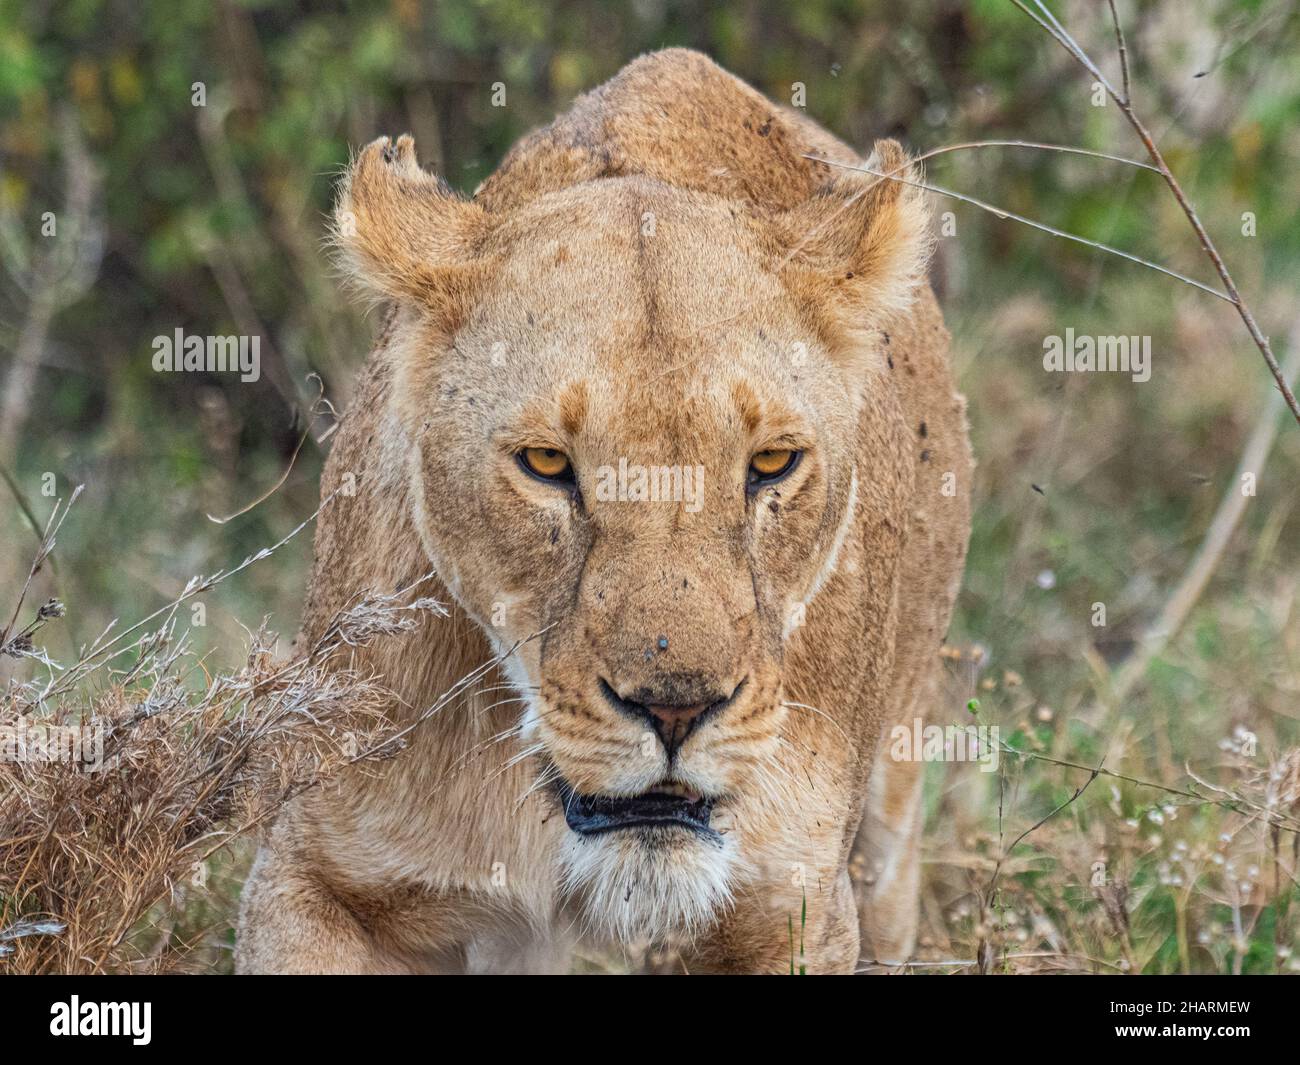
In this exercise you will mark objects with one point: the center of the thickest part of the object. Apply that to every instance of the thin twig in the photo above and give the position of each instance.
(196, 586)
(1049, 23)
(1065, 149)
(1042, 226)
(997, 868)
(1234, 803)
(1123, 51)
(320, 406)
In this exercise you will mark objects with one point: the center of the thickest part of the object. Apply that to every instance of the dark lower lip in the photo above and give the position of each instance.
(592, 815)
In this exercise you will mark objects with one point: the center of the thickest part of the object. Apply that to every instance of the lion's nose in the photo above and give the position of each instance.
(674, 723)
(672, 720)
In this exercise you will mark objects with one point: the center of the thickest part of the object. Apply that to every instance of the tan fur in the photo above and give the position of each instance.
(659, 276)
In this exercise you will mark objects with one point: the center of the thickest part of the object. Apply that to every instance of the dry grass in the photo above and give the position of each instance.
(132, 771)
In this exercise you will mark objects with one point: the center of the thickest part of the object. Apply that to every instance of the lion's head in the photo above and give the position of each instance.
(636, 424)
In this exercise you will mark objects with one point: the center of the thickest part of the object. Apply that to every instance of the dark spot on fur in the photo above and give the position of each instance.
(925, 455)
(890, 359)
(774, 506)
(923, 431)
(886, 336)
(765, 128)
(555, 535)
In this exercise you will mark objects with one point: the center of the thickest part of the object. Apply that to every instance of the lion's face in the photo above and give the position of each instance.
(635, 430)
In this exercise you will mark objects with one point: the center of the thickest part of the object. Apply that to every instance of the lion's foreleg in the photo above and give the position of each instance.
(783, 929)
(887, 850)
(288, 923)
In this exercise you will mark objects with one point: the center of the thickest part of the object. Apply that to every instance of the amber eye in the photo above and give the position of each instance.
(546, 463)
(768, 466)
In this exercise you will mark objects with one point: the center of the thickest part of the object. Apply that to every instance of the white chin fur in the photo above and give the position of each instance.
(631, 885)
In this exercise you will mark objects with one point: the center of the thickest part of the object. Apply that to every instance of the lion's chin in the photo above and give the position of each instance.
(652, 882)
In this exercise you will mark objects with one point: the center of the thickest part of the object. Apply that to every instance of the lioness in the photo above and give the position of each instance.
(667, 410)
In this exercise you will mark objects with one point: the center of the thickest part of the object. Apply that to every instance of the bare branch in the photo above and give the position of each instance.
(1064, 148)
(1042, 226)
(1058, 33)
(1123, 51)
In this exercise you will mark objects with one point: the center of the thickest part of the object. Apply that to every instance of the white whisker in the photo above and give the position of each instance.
(822, 713)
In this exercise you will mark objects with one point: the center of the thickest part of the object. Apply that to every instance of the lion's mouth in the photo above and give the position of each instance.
(663, 805)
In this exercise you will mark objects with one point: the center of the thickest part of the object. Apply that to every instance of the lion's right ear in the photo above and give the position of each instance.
(858, 248)
(405, 235)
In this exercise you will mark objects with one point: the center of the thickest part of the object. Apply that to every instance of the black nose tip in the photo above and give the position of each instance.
(672, 719)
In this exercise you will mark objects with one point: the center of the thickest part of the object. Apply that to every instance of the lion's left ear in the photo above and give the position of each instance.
(404, 235)
(858, 249)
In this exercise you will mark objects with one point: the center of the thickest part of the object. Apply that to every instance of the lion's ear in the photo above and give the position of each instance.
(858, 249)
(404, 234)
